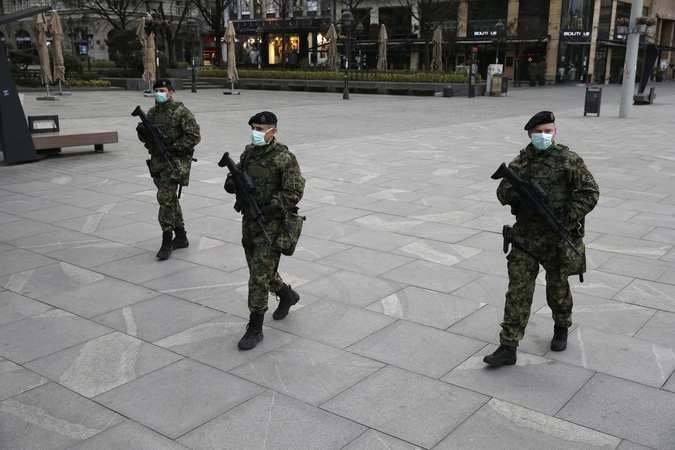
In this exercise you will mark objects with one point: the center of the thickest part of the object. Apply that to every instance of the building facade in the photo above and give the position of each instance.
(567, 40)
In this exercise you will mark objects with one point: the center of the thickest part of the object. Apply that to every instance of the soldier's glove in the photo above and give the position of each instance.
(230, 185)
(148, 145)
(140, 129)
(514, 199)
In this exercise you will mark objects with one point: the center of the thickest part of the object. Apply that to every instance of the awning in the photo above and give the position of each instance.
(504, 41)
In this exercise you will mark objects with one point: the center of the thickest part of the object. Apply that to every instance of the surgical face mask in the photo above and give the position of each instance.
(542, 141)
(161, 97)
(258, 138)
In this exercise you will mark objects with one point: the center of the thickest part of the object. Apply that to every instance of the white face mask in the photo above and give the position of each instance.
(258, 138)
(542, 141)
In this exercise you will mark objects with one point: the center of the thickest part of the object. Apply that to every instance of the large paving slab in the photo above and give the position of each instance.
(400, 270)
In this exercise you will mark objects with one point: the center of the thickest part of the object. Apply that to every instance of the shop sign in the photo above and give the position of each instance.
(575, 35)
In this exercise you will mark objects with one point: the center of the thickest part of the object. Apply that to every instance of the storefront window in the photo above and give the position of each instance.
(484, 15)
(533, 18)
(22, 40)
(577, 14)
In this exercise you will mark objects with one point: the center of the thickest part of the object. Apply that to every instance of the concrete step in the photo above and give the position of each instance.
(187, 84)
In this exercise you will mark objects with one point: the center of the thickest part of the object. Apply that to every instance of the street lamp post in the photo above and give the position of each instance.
(71, 33)
(499, 29)
(192, 26)
(347, 20)
(86, 21)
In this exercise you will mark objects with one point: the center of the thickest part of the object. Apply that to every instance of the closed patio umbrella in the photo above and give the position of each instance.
(332, 61)
(232, 74)
(382, 48)
(148, 43)
(41, 25)
(57, 32)
(437, 52)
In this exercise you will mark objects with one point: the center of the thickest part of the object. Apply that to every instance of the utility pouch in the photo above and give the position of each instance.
(507, 234)
(289, 232)
(152, 173)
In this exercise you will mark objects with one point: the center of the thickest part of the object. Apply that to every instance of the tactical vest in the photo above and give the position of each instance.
(265, 173)
(166, 117)
(549, 171)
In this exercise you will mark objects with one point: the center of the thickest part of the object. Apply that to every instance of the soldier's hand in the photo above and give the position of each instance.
(230, 185)
(148, 145)
(140, 129)
(513, 198)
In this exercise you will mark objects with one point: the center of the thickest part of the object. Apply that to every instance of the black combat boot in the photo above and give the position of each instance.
(254, 333)
(181, 240)
(287, 298)
(166, 249)
(559, 341)
(504, 355)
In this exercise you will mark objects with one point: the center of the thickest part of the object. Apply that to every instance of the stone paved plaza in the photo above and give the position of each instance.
(400, 270)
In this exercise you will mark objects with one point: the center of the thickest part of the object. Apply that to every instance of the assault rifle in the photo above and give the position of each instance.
(155, 136)
(244, 185)
(531, 200)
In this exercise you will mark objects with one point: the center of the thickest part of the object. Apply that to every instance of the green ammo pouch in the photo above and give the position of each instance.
(289, 232)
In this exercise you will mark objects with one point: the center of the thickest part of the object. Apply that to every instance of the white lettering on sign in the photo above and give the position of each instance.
(576, 33)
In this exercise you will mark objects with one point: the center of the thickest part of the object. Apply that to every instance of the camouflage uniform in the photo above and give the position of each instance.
(182, 131)
(572, 193)
(278, 183)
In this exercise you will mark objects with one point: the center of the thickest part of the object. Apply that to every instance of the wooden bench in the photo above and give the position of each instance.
(56, 141)
(297, 87)
(429, 92)
(317, 87)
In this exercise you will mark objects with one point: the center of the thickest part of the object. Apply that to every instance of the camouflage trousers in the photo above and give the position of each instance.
(170, 215)
(263, 264)
(536, 247)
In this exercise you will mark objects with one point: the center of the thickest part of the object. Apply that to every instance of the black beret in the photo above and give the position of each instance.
(163, 82)
(540, 118)
(263, 118)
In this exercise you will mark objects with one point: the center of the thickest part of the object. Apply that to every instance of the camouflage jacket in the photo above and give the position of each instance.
(277, 177)
(179, 126)
(563, 174)
(182, 133)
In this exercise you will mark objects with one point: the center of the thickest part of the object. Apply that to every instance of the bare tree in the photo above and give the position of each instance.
(168, 25)
(118, 13)
(429, 14)
(213, 12)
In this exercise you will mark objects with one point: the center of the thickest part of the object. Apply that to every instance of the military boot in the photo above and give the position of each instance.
(287, 298)
(181, 240)
(254, 333)
(166, 249)
(504, 355)
(559, 341)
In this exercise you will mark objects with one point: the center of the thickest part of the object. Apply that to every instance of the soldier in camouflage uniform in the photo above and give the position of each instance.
(572, 193)
(279, 186)
(178, 124)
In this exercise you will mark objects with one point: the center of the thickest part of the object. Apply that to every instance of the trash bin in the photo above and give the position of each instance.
(447, 91)
(593, 98)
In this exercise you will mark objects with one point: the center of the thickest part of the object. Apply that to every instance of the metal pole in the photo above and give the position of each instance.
(630, 64)
(345, 92)
(194, 69)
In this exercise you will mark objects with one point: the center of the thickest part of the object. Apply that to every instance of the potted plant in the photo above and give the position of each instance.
(641, 23)
(622, 24)
(651, 21)
(532, 72)
(659, 72)
(541, 73)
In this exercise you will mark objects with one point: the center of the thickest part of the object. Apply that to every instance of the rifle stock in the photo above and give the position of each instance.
(532, 195)
(245, 185)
